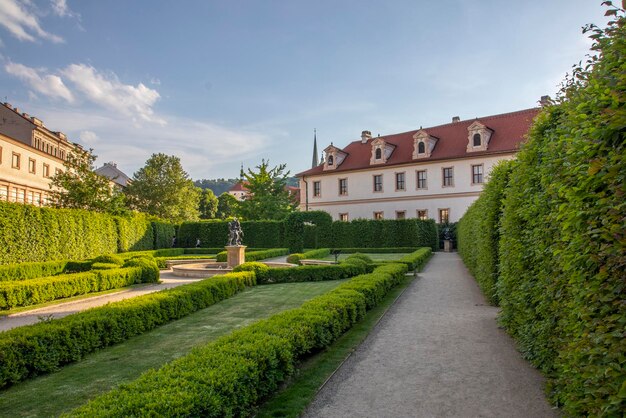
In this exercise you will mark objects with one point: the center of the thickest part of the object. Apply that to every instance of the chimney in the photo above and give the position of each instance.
(456, 119)
(7, 104)
(365, 135)
(544, 101)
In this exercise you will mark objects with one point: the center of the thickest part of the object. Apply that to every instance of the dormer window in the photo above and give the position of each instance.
(478, 137)
(330, 160)
(381, 151)
(334, 157)
(423, 144)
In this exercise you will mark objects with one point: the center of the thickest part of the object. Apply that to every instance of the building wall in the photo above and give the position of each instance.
(361, 201)
(20, 183)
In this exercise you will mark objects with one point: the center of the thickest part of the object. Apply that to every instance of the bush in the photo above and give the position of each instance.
(384, 233)
(309, 273)
(163, 233)
(259, 269)
(24, 271)
(255, 255)
(229, 376)
(386, 250)
(135, 233)
(318, 232)
(149, 268)
(109, 258)
(44, 347)
(359, 256)
(214, 233)
(416, 260)
(312, 254)
(295, 258)
(104, 266)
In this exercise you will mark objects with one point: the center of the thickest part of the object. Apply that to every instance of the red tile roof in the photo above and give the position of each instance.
(509, 129)
(238, 187)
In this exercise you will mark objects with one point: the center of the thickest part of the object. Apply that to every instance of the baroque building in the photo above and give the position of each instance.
(435, 172)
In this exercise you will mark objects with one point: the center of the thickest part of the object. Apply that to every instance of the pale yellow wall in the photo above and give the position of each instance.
(20, 184)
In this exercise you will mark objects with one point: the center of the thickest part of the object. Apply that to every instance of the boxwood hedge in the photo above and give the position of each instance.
(255, 255)
(44, 347)
(229, 376)
(23, 271)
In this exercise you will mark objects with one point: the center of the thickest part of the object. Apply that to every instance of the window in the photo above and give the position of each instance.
(15, 161)
(448, 179)
(330, 160)
(57, 171)
(378, 215)
(46, 170)
(421, 148)
(422, 214)
(400, 185)
(400, 214)
(477, 140)
(379, 154)
(38, 199)
(378, 183)
(421, 179)
(4, 192)
(444, 216)
(31, 165)
(343, 217)
(13, 197)
(317, 188)
(21, 195)
(477, 174)
(343, 187)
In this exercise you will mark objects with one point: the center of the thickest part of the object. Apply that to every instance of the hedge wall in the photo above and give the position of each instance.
(163, 233)
(135, 233)
(562, 248)
(479, 232)
(308, 230)
(43, 347)
(229, 376)
(24, 271)
(384, 233)
(31, 234)
(214, 233)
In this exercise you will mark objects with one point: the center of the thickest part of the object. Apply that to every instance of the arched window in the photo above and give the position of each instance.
(379, 154)
(477, 140)
(330, 160)
(421, 148)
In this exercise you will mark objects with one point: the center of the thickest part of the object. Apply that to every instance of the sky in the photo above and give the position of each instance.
(225, 83)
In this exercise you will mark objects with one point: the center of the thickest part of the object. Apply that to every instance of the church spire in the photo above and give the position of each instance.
(241, 173)
(314, 163)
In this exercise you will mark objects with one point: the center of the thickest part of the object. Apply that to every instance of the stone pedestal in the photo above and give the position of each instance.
(236, 255)
(447, 246)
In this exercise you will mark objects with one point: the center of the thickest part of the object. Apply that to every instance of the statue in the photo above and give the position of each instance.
(447, 234)
(235, 234)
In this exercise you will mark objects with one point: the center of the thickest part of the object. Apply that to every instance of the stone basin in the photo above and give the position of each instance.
(201, 270)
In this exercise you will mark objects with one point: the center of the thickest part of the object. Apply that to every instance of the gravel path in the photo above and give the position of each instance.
(437, 353)
(63, 309)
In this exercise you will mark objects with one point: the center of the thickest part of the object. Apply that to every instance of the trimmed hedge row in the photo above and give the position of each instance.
(312, 254)
(35, 291)
(388, 250)
(229, 376)
(384, 233)
(214, 233)
(416, 260)
(24, 271)
(134, 233)
(308, 230)
(44, 347)
(309, 273)
(255, 255)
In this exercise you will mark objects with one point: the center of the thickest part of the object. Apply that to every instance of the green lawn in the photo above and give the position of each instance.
(375, 257)
(75, 384)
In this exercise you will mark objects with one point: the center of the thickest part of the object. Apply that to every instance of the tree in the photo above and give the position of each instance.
(79, 187)
(269, 198)
(208, 204)
(162, 188)
(227, 205)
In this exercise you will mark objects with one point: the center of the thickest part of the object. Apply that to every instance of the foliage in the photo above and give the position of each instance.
(80, 187)
(366, 233)
(386, 250)
(269, 198)
(256, 255)
(309, 273)
(217, 186)
(135, 233)
(562, 241)
(149, 268)
(41, 348)
(417, 259)
(312, 254)
(213, 233)
(360, 256)
(163, 189)
(109, 258)
(208, 204)
(229, 376)
(227, 206)
(479, 232)
(319, 223)
(259, 269)
(163, 233)
(24, 271)
(32, 234)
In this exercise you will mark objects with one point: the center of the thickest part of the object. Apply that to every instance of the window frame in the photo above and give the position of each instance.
(374, 177)
(0, 155)
(32, 166)
(46, 170)
(398, 212)
(480, 140)
(378, 153)
(421, 146)
(317, 188)
(443, 176)
(343, 191)
(342, 215)
(379, 215)
(447, 210)
(481, 174)
(417, 214)
(417, 179)
(403, 173)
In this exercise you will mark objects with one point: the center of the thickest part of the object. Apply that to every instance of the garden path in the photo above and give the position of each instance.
(438, 352)
(32, 316)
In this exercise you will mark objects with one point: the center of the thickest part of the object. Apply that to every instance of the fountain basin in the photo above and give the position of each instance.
(203, 270)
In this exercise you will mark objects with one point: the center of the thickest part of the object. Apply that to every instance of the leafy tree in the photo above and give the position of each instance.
(79, 187)
(269, 198)
(208, 204)
(227, 205)
(162, 188)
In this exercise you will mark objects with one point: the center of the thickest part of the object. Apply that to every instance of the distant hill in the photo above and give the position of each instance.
(220, 186)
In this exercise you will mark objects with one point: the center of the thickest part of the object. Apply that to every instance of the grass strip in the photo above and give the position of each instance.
(293, 398)
(75, 384)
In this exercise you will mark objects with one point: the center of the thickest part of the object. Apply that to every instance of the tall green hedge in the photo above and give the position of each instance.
(384, 233)
(214, 233)
(31, 234)
(562, 247)
(135, 233)
(308, 230)
(478, 232)
(163, 233)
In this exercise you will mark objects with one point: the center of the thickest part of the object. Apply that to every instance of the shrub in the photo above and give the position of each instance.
(149, 268)
(384, 233)
(104, 266)
(299, 236)
(255, 255)
(109, 258)
(311, 254)
(214, 233)
(295, 258)
(44, 347)
(357, 262)
(229, 376)
(24, 271)
(416, 260)
(135, 233)
(377, 250)
(309, 273)
(359, 256)
(259, 269)
(163, 233)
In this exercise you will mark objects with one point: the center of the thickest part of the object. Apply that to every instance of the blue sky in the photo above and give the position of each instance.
(219, 83)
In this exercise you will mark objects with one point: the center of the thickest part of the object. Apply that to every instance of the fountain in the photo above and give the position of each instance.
(235, 255)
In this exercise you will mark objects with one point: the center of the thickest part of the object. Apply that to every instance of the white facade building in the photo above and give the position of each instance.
(431, 173)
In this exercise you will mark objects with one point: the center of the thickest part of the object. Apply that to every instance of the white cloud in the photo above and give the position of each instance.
(60, 8)
(47, 84)
(107, 91)
(22, 22)
(88, 137)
